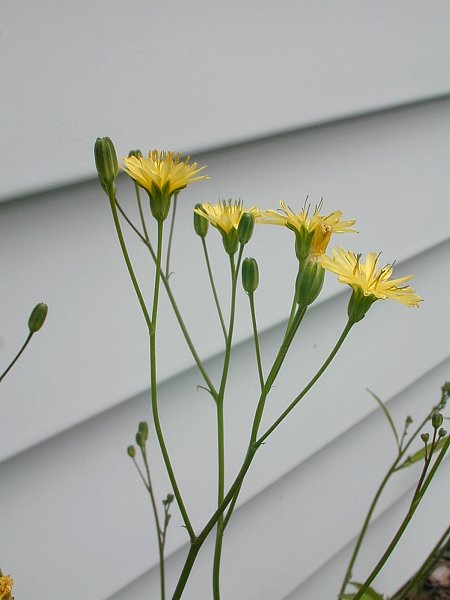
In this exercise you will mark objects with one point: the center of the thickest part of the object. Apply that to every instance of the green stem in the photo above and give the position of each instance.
(175, 308)
(404, 524)
(367, 520)
(427, 565)
(16, 358)
(172, 227)
(306, 389)
(154, 398)
(220, 425)
(141, 212)
(213, 287)
(251, 298)
(158, 526)
(112, 201)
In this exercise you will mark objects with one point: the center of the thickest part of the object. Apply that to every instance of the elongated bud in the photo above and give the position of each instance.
(437, 420)
(140, 440)
(250, 275)
(143, 429)
(131, 451)
(136, 153)
(106, 162)
(424, 437)
(245, 228)
(309, 282)
(37, 317)
(201, 224)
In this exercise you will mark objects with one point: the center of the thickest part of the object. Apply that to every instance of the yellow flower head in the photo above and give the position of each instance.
(6, 584)
(161, 174)
(366, 280)
(313, 233)
(226, 216)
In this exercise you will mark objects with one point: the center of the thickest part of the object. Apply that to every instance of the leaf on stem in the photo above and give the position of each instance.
(387, 415)
(369, 594)
(420, 455)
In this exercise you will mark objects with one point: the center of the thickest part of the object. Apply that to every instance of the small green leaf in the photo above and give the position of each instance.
(420, 455)
(369, 594)
(387, 414)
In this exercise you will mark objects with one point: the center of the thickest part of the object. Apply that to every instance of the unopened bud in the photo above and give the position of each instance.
(168, 500)
(309, 282)
(131, 450)
(437, 420)
(140, 440)
(245, 228)
(424, 437)
(201, 223)
(143, 429)
(106, 162)
(250, 275)
(442, 432)
(37, 317)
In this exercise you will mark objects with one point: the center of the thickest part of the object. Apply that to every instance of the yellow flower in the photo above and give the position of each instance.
(365, 279)
(313, 233)
(6, 583)
(161, 174)
(226, 216)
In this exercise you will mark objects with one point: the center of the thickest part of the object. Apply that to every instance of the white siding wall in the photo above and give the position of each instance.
(74, 517)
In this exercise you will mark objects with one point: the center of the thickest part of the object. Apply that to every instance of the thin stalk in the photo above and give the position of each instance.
(234, 269)
(431, 559)
(306, 389)
(213, 288)
(16, 358)
(112, 201)
(175, 308)
(401, 453)
(251, 298)
(172, 227)
(158, 526)
(404, 524)
(141, 212)
(153, 385)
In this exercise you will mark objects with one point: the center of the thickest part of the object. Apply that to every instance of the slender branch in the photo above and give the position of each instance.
(172, 227)
(153, 390)
(112, 201)
(404, 524)
(175, 308)
(16, 358)
(213, 287)
(306, 389)
(251, 298)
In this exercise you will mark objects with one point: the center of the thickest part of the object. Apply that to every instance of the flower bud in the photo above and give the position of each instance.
(424, 437)
(309, 282)
(169, 499)
(230, 241)
(442, 432)
(245, 228)
(106, 162)
(250, 275)
(201, 224)
(143, 429)
(140, 440)
(359, 304)
(131, 451)
(37, 317)
(437, 420)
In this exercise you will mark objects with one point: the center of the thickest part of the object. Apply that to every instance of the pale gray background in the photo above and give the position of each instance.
(346, 100)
